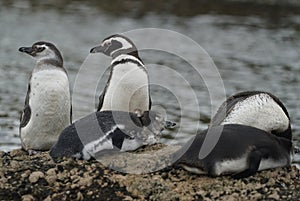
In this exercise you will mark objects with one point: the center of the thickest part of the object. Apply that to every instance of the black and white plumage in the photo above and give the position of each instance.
(258, 109)
(47, 109)
(105, 131)
(241, 151)
(127, 88)
(250, 132)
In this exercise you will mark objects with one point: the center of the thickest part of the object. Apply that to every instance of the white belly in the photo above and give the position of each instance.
(50, 105)
(128, 89)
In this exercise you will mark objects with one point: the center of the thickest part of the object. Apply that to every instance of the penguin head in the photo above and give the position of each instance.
(43, 50)
(116, 45)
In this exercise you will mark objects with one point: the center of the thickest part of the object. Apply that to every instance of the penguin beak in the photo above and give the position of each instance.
(28, 50)
(99, 48)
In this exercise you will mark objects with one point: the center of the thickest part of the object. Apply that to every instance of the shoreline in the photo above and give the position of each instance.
(38, 177)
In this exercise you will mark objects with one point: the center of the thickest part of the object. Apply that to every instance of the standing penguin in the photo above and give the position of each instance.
(127, 88)
(47, 109)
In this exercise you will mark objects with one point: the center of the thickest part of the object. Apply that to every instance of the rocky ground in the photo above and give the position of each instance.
(38, 177)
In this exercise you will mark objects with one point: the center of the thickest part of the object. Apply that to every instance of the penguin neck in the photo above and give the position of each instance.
(132, 52)
(50, 62)
(54, 61)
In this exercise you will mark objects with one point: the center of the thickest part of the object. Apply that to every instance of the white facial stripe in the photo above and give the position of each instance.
(39, 46)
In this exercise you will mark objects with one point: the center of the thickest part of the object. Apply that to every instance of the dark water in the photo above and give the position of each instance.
(250, 52)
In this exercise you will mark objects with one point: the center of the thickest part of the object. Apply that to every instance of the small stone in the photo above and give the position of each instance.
(48, 198)
(16, 152)
(256, 196)
(89, 193)
(14, 164)
(2, 153)
(128, 198)
(274, 195)
(87, 181)
(51, 179)
(271, 182)
(35, 176)
(25, 174)
(27, 197)
(79, 196)
(51, 171)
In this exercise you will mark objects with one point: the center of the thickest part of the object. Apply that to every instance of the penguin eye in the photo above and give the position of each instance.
(40, 49)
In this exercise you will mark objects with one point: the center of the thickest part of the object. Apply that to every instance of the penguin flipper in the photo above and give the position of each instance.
(101, 99)
(25, 116)
(253, 160)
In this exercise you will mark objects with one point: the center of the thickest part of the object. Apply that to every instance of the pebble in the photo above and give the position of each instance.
(27, 197)
(51, 179)
(16, 152)
(87, 181)
(14, 164)
(35, 176)
(274, 196)
(2, 153)
(48, 198)
(79, 196)
(51, 171)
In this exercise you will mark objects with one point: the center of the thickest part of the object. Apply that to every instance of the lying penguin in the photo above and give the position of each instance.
(105, 131)
(240, 151)
(250, 132)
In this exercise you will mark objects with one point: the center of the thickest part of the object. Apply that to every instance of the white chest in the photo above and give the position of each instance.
(49, 91)
(49, 100)
(128, 89)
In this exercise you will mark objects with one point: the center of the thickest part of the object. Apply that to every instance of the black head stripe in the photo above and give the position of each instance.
(115, 45)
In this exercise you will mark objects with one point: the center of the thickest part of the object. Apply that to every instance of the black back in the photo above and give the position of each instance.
(235, 141)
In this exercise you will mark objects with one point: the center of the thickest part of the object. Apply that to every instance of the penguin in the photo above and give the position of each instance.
(127, 88)
(240, 152)
(258, 109)
(105, 131)
(47, 110)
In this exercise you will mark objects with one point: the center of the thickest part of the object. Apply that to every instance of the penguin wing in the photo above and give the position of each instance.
(229, 104)
(101, 100)
(26, 114)
(101, 97)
